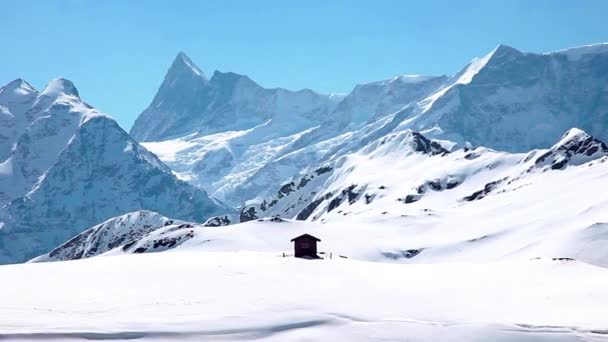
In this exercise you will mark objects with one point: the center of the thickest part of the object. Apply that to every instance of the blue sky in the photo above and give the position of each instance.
(117, 52)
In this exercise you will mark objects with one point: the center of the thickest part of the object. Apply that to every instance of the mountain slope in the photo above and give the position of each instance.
(407, 199)
(105, 236)
(16, 98)
(515, 101)
(74, 167)
(408, 169)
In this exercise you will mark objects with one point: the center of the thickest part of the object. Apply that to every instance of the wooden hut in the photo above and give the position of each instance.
(305, 246)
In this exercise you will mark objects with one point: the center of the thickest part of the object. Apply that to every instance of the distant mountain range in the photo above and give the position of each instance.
(506, 122)
(233, 137)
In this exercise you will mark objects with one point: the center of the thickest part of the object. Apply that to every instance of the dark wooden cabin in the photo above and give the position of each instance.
(305, 246)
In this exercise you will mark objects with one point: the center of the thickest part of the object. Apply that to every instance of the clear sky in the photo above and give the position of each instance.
(117, 51)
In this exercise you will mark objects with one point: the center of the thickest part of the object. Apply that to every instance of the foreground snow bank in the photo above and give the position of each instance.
(194, 295)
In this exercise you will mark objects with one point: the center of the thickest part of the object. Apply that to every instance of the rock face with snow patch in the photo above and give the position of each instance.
(576, 147)
(113, 233)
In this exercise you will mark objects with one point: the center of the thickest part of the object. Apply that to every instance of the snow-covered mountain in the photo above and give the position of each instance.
(73, 167)
(108, 235)
(406, 198)
(46, 122)
(507, 100)
(413, 168)
(515, 101)
(187, 102)
(231, 127)
(129, 232)
(454, 207)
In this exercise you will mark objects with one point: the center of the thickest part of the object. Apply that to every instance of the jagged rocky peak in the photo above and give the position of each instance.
(422, 144)
(182, 64)
(407, 141)
(60, 86)
(575, 147)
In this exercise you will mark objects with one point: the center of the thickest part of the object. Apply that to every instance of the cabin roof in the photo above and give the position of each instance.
(303, 236)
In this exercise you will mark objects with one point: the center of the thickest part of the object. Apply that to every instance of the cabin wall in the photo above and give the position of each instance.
(305, 247)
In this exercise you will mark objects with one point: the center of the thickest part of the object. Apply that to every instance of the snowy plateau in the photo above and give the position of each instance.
(471, 207)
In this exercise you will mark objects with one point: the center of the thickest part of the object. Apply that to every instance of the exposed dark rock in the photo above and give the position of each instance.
(347, 193)
(403, 254)
(248, 214)
(471, 155)
(323, 170)
(286, 189)
(452, 184)
(310, 208)
(477, 195)
(427, 146)
(276, 218)
(303, 182)
(435, 184)
(217, 221)
(411, 198)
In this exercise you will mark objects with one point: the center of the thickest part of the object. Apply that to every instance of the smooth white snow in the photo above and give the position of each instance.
(194, 295)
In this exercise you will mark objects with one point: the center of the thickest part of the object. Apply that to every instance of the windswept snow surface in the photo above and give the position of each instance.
(210, 296)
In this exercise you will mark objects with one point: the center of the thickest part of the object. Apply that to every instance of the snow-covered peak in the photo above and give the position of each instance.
(18, 87)
(183, 64)
(58, 87)
(576, 147)
(573, 134)
(501, 54)
(503, 50)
